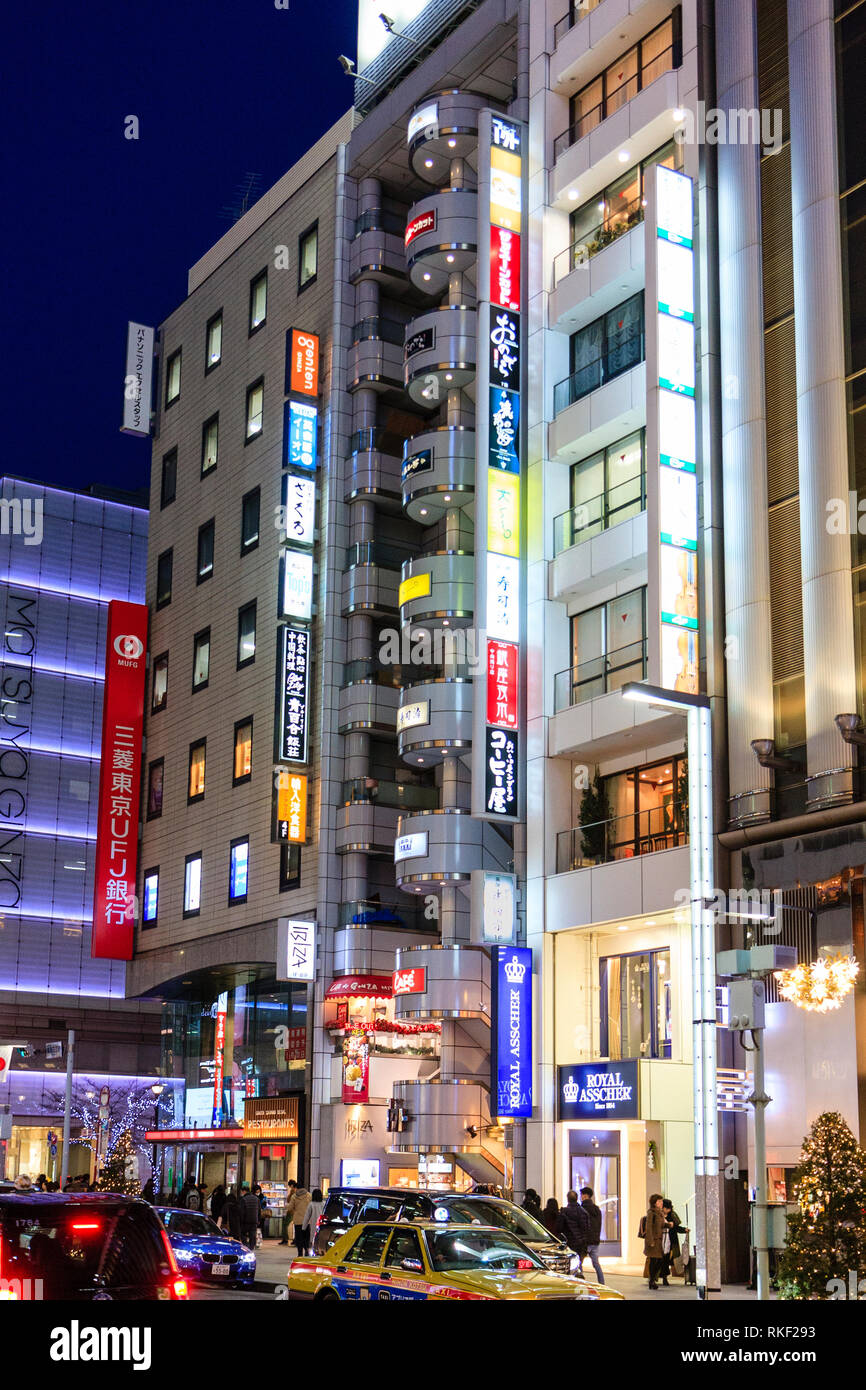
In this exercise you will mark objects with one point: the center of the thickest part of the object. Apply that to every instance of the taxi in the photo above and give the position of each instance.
(407, 1261)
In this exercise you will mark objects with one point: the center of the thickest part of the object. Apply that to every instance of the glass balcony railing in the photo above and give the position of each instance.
(599, 371)
(587, 519)
(387, 557)
(654, 67)
(397, 795)
(386, 330)
(576, 12)
(370, 912)
(375, 220)
(617, 222)
(395, 677)
(599, 676)
(622, 837)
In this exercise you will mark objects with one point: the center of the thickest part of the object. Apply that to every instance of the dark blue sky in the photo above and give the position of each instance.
(99, 229)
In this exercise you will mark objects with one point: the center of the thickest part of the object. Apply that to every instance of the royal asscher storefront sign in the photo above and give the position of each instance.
(587, 1090)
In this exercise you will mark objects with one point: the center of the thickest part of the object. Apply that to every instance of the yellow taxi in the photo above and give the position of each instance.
(433, 1260)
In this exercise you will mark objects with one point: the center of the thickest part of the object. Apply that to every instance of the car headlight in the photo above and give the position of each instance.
(249, 1258)
(574, 1264)
(184, 1256)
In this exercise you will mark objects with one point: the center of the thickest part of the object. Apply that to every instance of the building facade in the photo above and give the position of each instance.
(63, 557)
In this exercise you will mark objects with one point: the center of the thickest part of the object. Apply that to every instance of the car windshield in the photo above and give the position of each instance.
(470, 1249)
(192, 1223)
(479, 1212)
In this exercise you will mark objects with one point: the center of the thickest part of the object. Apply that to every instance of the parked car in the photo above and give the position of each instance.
(346, 1206)
(84, 1246)
(205, 1252)
(433, 1260)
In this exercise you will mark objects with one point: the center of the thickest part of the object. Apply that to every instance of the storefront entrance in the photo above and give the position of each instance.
(595, 1161)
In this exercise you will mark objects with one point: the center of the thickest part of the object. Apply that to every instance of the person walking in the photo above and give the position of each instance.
(287, 1217)
(193, 1198)
(147, 1191)
(532, 1203)
(594, 1235)
(653, 1246)
(674, 1229)
(217, 1202)
(573, 1225)
(250, 1216)
(230, 1216)
(314, 1210)
(550, 1216)
(302, 1200)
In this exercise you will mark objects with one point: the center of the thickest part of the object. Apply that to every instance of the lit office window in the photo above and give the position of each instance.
(250, 509)
(201, 659)
(209, 443)
(192, 885)
(255, 409)
(243, 764)
(213, 350)
(159, 691)
(196, 770)
(204, 568)
(258, 300)
(150, 899)
(636, 1005)
(247, 634)
(172, 378)
(308, 256)
(239, 870)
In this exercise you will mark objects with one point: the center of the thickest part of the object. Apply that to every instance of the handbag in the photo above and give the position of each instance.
(681, 1261)
(666, 1243)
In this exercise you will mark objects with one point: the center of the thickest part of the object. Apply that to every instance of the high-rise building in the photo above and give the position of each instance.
(64, 555)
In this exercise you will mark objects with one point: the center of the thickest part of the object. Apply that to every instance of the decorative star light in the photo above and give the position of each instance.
(821, 986)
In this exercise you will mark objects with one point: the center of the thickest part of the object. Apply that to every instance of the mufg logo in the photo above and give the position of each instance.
(128, 647)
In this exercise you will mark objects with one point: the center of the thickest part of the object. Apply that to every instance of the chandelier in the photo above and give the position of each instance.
(821, 986)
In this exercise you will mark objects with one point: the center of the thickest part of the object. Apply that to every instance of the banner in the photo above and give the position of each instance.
(356, 1068)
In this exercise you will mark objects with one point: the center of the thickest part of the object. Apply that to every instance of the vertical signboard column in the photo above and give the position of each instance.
(496, 775)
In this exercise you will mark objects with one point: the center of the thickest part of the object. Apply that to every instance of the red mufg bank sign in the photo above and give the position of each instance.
(119, 782)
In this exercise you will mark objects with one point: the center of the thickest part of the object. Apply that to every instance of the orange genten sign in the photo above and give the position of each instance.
(304, 363)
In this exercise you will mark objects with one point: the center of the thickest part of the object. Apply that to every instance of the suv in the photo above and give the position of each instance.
(79, 1248)
(346, 1206)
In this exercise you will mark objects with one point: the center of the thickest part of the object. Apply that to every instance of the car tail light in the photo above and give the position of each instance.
(87, 1226)
(169, 1253)
(179, 1288)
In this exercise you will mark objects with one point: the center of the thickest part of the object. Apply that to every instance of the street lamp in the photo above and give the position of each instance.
(156, 1091)
(696, 708)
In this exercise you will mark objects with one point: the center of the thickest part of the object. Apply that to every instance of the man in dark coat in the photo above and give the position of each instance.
(593, 1240)
(573, 1225)
(250, 1213)
(231, 1214)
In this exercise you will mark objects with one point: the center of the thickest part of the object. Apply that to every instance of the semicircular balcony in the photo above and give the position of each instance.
(368, 698)
(438, 590)
(441, 1116)
(444, 845)
(434, 718)
(368, 818)
(372, 472)
(444, 127)
(438, 466)
(439, 354)
(368, 932)
(377, 251)
(441, 237)
(375, 359)
(442, 980)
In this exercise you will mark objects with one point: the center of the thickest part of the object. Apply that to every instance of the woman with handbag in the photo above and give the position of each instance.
(653, 1246)
(671, 1239)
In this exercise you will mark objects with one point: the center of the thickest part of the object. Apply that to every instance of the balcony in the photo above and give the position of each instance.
(583, 49)
(402, 796)
(600, 676)
(443, 235)
(607, 726)
(368, 704)
(622, 837)
(376, 252)
(456, 984)
(592, 275)
(375, 358)
(365, 828)
(440, 353)
(434, 717)
(441, 1116)
(577, 11)
(369, 585)
(594, 561)
(371, 471)
(599, 417)
(451, 134)
(445, 845)
(438, 465)
(446, 590)
(368, 932)
(617, 98)
(590, 518)
(599, 371)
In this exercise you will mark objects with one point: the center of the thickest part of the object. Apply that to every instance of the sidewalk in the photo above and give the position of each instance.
(272, 1263)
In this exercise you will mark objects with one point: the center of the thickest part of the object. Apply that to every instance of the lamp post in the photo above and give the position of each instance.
(156, 1091)
(696, 708)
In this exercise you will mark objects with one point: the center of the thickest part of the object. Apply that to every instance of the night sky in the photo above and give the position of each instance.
(100, 229)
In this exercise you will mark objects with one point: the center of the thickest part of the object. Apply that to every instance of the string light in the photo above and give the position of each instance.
(821, 986)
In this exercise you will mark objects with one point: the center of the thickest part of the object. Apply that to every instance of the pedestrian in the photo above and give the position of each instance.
(250, 1215)
(290, 1206)
(674, 1229)
(147, 1191)
(302, 1201)
(42, 1183)
(532, 1202)
(217, 1202)
(193, 1198)
(203, 1197)
(315, 1207)
(550, 1216)
(231, 1215)
(653, 1246)
(594, 1234)
(184, 1192)
(23, 1183)
(573, 1224)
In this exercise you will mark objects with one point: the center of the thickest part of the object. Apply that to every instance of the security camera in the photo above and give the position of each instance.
(346, 64)
(388, 23)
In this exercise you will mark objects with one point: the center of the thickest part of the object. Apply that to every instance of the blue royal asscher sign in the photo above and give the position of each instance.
(588, 1090)
(511, 1061)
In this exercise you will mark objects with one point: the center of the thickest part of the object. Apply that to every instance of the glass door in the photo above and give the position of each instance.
(594, 1161)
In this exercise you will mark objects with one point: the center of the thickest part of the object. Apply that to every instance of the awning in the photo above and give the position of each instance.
(361, 987)
(192, 1136)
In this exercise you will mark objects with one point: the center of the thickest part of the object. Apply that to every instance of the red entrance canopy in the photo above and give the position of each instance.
(361, 987)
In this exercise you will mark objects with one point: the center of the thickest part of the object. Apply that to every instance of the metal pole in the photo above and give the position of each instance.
(67, 1107)
(760, 1100)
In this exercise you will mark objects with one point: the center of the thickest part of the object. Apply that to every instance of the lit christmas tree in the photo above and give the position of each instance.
(120, 1173)
(827, 1236)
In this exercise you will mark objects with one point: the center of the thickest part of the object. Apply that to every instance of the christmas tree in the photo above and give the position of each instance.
(120, 1173)
(827, 1236)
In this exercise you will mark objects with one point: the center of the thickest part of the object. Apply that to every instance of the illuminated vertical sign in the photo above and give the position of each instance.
(119, 782)
(300, 434)
(296, 950)
(511, 1055)
(219, 1050)
(677, 433)
(291, 806)
(302, 362)
(295, 694)
(138, 384)
(498, 481)
(298, 509)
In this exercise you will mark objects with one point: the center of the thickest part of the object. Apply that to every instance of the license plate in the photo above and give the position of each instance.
(220, 1269)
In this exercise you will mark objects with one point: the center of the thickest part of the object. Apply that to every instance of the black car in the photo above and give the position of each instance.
(84, 1247)
(346, 1206)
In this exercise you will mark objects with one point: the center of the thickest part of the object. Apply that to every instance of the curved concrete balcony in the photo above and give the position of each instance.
(440, 1116)
(442, 237)
(451, 133)
(376, 252)
(362, 950)
(375, 359)
(439, 352)
(444, 846)
(433, 718)
(438, 465)
(366, 704)
(455, 979)
(370, 588)
(370, 473)
(438, 590)
(362, 827)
